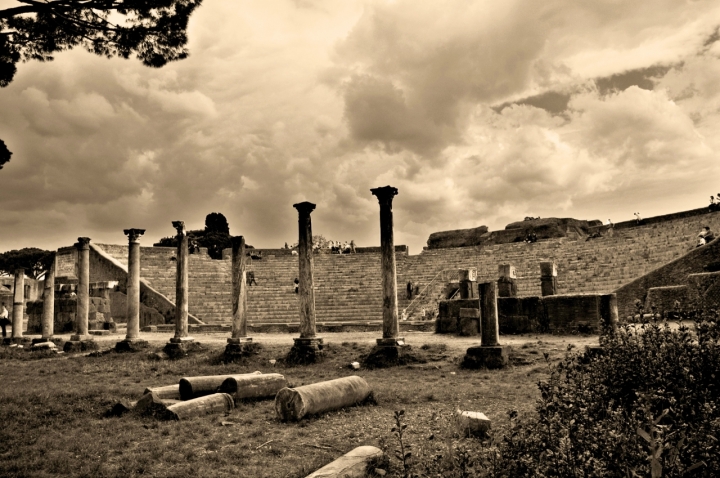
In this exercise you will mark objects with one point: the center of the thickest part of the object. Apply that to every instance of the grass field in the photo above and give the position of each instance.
(53, 408)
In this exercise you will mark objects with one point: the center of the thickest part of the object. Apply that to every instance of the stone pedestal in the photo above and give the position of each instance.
(506, 281)
(307, 348)
(180, 347)
(482, 356)
(548, 278)
(131, 345)
(305, 351)
(80, 343)
(467, 279)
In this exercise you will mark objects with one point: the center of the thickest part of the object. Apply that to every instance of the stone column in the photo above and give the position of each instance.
(548, 278)
(467, 279)
(489, 327)
(489, 353)
(608, 314)
(48, 317)
(239, 339)
(308, 347)
(18, 305)
(506, 281)
(132, 340)
(390, 348)
(181, 286)
(83, 290)
(391, 326)
(181, 343)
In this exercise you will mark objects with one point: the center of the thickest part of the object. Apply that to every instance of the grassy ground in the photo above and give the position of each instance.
(52, 408)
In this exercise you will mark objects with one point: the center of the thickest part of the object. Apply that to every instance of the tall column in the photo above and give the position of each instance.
(489, 329)
(181, 286)
(548, 278)
(18, 305)
(239, 285)
(308, 347)
(83, 290)
(48, 317)
(391, 326)
(133, 283)
(306, 291)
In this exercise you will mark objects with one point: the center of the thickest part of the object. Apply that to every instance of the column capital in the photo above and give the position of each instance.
(83, 244)
(385, 194)
(134, 234)
(304, 207)
(180, 227)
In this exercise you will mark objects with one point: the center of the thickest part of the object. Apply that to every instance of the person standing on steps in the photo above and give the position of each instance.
(251, 278)
(297, 283)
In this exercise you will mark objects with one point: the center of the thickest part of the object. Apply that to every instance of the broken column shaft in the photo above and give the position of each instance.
(548, 278)
(489, 354)
(181, 285)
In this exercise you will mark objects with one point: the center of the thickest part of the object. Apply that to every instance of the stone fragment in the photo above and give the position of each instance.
(353, 464)
(44, 346)
(253, 386)
(472, 423)
(151, 404)
(193, 387)
(296, 403)
(215, 403)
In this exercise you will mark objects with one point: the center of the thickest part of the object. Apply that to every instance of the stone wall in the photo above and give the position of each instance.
(675, 273)
(553, 314)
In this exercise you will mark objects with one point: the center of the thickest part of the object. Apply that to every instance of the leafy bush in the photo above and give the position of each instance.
(645, 404)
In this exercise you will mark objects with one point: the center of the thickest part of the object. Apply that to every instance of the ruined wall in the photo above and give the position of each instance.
(551, 314)
(673, 273)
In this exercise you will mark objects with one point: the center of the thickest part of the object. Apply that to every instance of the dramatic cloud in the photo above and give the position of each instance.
(479, 112)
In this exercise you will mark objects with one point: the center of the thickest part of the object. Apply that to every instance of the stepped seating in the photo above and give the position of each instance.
(348, 286)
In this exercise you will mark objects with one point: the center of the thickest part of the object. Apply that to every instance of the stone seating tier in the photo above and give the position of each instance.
(348, 286)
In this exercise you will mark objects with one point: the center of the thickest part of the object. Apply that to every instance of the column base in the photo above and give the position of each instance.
(483, 356)
(17, 341)
(389, 352)
(238, 349)
(84, 344)
(131, 345)
(181, 340)
(180, 347)
(305, 351)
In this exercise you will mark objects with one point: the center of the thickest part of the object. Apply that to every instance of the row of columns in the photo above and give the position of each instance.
(308, 335)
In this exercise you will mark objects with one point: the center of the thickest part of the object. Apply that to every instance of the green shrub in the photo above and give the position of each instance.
(645, 404)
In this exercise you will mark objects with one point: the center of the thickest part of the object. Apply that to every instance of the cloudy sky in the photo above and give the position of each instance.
(479, 112)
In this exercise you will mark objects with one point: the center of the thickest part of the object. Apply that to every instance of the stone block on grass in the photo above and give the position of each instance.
(472, 423)
(481, 356)
(296, 403)
(352, 464)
